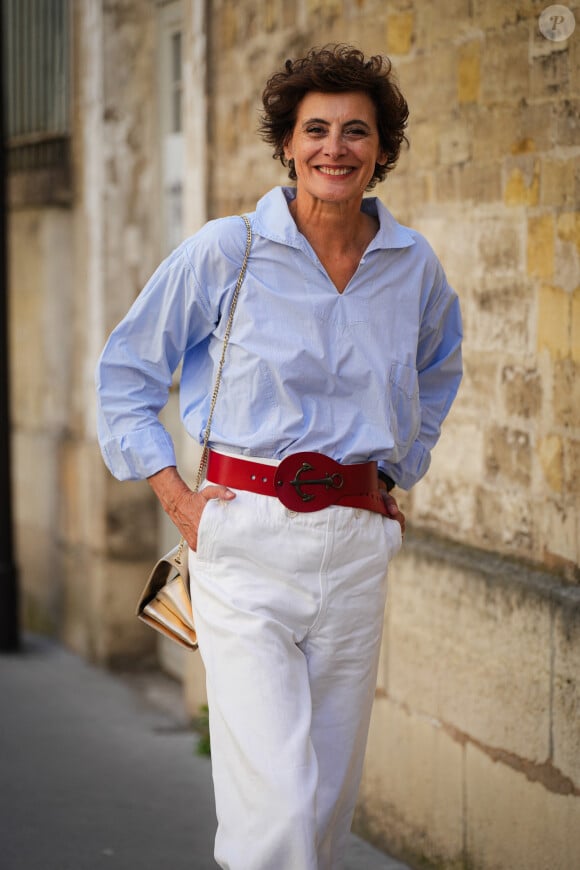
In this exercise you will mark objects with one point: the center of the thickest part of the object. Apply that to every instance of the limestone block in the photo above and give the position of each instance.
(447, 184)
(568, 123)
(500, 244)
(559, 185)
(572, 463)
(496, 129)
(195, 695)
(508, 454)
(326, 8)
(522, 185)
(566, 275)
(566, 392)
(445, 497)
(131, 520)
(521, 391)
(400, 32)
(505, 519)
(82, 482)
(574, 70)
(568, 228)
(171, 657)
(481, 183)
(36, 493)
(566, 702)
(549, 74)
(469, 72)
(502, 317)
(454, 145)
(516, 823)
(401, 191)
(505, 60)
(437, 21)
(551, 456)
(423, 138)
(494, 14)
(480, 379)
(39, 565)
(100, 596)
(541, 246)
(411, 797)
(80, 583)
(557, 530)
(434, 100)
(470, 651)
(453, 233)
(40, 319)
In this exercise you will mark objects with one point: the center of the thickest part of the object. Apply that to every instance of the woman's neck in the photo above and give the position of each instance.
(334, 227)
(339, 236)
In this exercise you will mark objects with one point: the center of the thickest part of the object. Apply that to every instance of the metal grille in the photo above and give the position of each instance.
(36, 75)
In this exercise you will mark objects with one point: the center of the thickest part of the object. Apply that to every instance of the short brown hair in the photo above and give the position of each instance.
(333, 69)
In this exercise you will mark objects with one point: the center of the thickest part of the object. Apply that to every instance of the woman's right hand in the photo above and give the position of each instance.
(183, 506)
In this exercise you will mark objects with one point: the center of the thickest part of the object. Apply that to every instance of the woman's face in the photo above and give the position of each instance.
(335, 145)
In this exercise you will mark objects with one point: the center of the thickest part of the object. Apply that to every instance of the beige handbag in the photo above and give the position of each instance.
(165, 603)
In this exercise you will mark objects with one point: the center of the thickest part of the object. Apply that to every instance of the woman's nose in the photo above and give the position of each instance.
(334, 144)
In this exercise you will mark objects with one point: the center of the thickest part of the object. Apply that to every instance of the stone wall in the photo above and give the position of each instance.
(473, 757)
(84, 542)
(40, 357)
(474, 746)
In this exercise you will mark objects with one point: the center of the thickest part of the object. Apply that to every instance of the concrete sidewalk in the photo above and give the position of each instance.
(100, 771)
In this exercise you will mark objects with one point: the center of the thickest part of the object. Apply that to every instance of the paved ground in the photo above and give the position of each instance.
(99, 771)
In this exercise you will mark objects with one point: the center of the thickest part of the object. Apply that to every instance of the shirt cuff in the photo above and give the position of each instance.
(411, 468)
(139, 454)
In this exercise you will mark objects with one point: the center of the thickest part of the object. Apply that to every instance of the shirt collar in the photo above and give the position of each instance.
(274, 221)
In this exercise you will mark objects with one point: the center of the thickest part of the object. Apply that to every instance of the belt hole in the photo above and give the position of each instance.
(252, 476)
(264, 480)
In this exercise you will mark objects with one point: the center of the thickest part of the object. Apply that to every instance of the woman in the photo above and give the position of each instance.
(343, 361)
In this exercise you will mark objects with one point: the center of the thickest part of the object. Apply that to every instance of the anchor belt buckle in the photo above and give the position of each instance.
(307, 482)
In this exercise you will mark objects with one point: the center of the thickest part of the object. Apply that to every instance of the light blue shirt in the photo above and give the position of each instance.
(369, 373)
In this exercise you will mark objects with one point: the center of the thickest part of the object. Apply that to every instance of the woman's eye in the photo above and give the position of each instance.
(357, 131)
(316, 131)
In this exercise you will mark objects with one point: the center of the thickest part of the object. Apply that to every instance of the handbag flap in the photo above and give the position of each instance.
(172, 565)
(175, 598)
(154, 616)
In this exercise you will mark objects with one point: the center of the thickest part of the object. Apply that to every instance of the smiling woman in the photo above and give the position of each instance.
(334, 150)
(343, 361)
(335, 136)
(333, 70)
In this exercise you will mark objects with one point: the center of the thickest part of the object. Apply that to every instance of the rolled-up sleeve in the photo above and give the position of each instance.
(134, 372)
(440, 369)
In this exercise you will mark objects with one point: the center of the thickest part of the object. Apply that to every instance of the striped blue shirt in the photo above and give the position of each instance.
(369, 373)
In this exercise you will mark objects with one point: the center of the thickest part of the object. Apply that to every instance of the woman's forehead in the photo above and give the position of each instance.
(345, 105)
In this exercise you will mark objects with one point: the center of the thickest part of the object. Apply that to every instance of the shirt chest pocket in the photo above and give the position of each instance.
(405, 407)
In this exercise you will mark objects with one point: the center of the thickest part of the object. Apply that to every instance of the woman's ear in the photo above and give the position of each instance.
(288, 151)
(383, 158)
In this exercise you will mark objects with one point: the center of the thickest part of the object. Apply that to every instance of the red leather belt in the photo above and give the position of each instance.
(303, 482)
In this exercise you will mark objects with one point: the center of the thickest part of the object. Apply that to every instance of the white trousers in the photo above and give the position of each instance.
(289, 614)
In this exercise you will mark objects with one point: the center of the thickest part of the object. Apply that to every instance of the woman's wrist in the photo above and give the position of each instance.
(169, 487)
(388, 481)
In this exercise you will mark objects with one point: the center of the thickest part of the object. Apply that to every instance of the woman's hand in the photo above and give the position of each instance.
(392, 507)
(183, 506)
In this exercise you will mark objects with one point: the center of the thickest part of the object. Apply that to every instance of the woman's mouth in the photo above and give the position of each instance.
(335, 170)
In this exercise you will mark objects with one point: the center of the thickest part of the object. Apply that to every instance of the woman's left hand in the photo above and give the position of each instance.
(393, 509)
